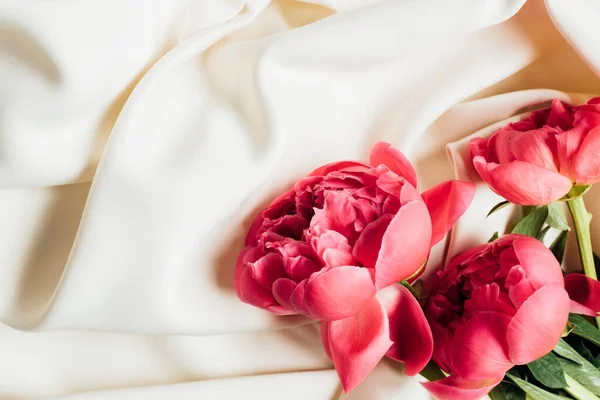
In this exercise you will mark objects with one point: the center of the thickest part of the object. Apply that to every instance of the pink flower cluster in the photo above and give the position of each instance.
(336, 247)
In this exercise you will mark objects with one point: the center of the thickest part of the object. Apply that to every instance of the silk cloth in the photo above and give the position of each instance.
(138, 138)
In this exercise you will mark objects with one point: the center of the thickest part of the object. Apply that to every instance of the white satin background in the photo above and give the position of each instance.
(138, 138)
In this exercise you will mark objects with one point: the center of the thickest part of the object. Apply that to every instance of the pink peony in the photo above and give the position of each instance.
(326, 247)
(497, 305)
(538, 160)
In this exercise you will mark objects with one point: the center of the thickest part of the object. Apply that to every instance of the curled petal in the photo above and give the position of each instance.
(538, 324)
(523, 183)
(405, 245)
(409, 330)
(383, 153)
(297, 298)
(366, 249)
(455, 388)
(585, 293)
(358, 343)
(519, 287)
(446, 203)
(282, 291)
(338, 293)
(479, 349)
(538, 262)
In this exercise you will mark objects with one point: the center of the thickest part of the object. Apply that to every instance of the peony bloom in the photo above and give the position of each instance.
(325, 248)
(497, 305)
(537, 161)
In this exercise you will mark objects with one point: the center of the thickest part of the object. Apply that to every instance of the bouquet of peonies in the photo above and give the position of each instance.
(346, 246)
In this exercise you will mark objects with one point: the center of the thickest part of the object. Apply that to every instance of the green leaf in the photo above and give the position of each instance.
(535, 392)
(582, 328)
(557, 218)
(578, 344)
(558, 246)
(498, 207)
(548, 371)
(494, 237)
(507, 391)
(532, 224)
(563, 349)
(578, 368)
(542, 234)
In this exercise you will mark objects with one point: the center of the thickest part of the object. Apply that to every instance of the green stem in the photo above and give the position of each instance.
(577, 390)
(432, 372)
(582, 220)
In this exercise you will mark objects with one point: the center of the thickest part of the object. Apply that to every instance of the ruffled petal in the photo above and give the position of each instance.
(479, 349)
(584, 292)
(405, 245)
(338, 293)
(383, 153)
(455, 388)
(538, 324)
(409, 329)
(358, 343)
(446, 203)
(523, 183)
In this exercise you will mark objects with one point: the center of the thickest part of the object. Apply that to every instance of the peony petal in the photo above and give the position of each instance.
(367, 246)
(446, 203)
(538, 262)
(297, 298)
(479, 147)
(585, 292)
(523, 183)
(488, 298)
(479, 349)
(338, 293)
(383, 153)
(519, 287)
(538, 324)
(567, 146)
(409, 330)
(282, 291)
(267, 269)
(300, 268)
(405, 245)
(587, 163)
(252, 292)
(358, 343)
(338, 215)
(455, 388)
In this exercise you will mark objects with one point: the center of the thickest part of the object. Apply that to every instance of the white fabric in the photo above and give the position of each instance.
(138, 138)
